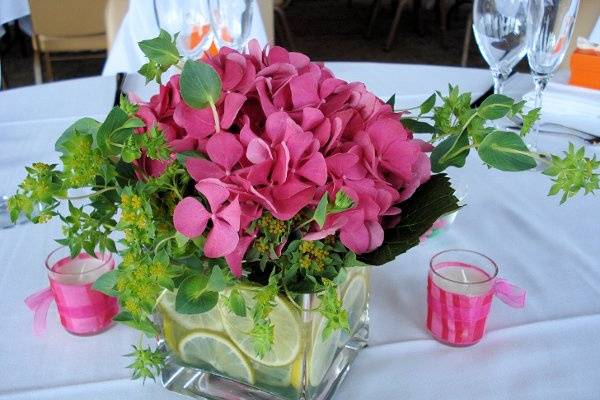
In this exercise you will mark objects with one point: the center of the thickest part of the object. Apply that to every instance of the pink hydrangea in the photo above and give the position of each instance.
(290, 132)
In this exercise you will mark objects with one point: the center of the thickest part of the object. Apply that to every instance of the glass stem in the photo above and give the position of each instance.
(499, 79)
(540, 82)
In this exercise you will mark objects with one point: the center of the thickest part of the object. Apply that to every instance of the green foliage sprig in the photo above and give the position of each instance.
(457, 128)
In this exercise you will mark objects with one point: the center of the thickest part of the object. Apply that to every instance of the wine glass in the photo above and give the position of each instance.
(231, 21)
(500, 29)
(550, 27)
(189, 18)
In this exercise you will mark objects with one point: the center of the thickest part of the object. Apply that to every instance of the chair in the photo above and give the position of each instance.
(279, 9)
(113, 18)
(3, 80)
(61, 26)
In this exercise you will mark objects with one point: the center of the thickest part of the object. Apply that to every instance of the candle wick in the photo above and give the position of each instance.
(464, 276)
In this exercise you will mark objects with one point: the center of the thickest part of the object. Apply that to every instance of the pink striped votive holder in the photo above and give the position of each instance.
(82, 310)
(460, 289)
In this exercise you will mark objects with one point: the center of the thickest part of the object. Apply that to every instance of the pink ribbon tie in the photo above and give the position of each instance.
(39, 303)
(509, 294)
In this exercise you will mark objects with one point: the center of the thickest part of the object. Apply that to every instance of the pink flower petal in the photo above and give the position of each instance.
(222, 239)
(304, 90)
(258, 151)
(215, 192)
(276, 126)
(232, 213)
(231, 106)
(197, 123)
(314, 169)
(234, 259)
(190, 217)
(282, 161)
(200, 169)
(298, 144)
(329, 229)
(224, 149)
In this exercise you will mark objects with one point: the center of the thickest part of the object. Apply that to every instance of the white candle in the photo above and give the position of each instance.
(81, 271)
(462, 280)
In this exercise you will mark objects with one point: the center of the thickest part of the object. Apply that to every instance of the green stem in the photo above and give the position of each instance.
(215, 116)
(537, 156)
(85, 196)
(457, 152)
(163, 241)
(116, 144)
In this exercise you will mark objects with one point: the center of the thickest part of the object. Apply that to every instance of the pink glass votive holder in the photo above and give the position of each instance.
(460, 289)
(82, 310)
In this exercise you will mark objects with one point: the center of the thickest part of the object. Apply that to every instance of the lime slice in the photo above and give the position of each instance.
(199, 348)
(210, 320)
(322, 353)
(286, 330)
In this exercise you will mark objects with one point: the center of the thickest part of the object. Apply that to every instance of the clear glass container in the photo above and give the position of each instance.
(210, 355)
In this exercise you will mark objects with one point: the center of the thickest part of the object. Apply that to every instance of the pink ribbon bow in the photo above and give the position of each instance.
(509, 294)
(39, 303)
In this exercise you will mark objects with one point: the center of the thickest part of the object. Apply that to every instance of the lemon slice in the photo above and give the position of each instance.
(169, 333)
(322, 352)
(200, 348)
(210, 320)
(287, 333)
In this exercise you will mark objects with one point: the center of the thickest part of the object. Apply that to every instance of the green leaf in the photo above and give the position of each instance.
(181, 240)
(193, 298)
(431, 200)
(495, 106)
(108, 132)
(161, 49)
(237, 303)
(87, 126)
(428, 104)
(529, 120)
(417, 126)
(145, 325)
(181, 157)
(217, 281)
(106, 283)
(200, 84)
(505, 151)
(321, 211)
(446, 153)
(392, 101)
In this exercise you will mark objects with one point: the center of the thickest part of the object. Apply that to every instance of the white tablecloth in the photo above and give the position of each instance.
(11, 10)
(549, 350)
(140, 24)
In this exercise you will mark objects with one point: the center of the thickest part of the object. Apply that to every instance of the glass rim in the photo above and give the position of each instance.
(105, 262)
(492, 262)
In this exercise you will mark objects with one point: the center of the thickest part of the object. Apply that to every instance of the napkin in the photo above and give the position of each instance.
(569, 106)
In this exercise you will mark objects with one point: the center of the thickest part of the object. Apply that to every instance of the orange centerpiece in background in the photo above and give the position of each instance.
(585, 69)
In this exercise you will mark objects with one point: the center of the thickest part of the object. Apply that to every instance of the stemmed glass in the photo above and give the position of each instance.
(191, 18)
(550, 27)
(231, 21)
(500, 29)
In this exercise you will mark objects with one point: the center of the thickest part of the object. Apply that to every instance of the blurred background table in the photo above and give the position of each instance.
(549, 350)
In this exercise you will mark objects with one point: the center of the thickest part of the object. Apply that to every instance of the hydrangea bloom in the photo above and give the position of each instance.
(290, 131)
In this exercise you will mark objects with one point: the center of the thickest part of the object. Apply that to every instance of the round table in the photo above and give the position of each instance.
(548, 350)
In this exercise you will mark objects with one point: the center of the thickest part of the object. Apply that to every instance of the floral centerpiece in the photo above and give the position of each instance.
(249, 194)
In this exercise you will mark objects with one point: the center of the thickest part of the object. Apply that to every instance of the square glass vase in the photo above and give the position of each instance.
(211, 356)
